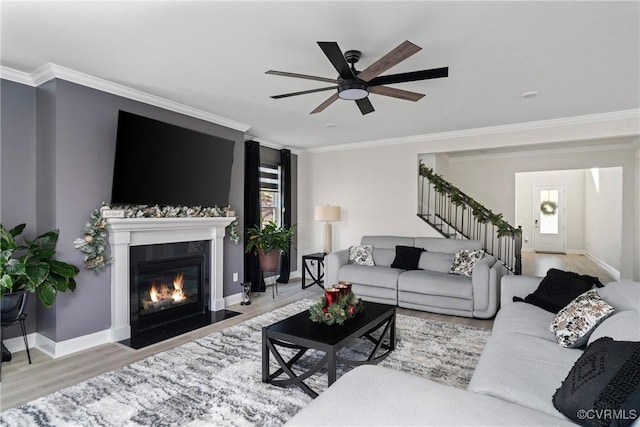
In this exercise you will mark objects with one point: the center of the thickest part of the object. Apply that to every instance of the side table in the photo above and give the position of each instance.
(316, 276)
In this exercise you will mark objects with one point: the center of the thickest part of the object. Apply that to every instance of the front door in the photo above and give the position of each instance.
(549, 218)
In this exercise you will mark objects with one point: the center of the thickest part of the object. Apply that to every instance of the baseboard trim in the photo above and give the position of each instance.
(612, 271)
(233, 299)
(16, 344)
(55, 349)
(63, 348)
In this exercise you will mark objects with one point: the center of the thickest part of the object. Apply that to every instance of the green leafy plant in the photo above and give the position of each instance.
(269, 237)
(30, 265)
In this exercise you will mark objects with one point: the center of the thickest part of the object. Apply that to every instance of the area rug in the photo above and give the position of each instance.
(216, 380)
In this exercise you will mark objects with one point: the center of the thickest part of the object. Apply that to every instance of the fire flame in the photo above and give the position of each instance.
(163, 292)
(178, 294)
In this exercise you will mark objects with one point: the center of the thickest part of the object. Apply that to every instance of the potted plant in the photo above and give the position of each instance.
(29, 265)
(268, 242)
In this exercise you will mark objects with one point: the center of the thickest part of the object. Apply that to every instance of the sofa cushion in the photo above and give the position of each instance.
(383, 256)
(361, 255)
(376, 275)
(523, 369)
(436, 261)
(377, 396)
(622, 295)
(602, 383)
(435, 283)
(559, 288)
(523, 318)
(407, 257)
(389, 242)
(621, 326)
(464, 261)
(574, 323)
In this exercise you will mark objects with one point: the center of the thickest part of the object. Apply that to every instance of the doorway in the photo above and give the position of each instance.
(549, 223)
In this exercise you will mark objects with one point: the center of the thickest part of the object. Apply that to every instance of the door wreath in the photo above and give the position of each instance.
(548, 208)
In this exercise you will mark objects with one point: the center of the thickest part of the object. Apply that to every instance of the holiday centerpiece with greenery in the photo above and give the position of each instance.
(93, 244)
(336, 306)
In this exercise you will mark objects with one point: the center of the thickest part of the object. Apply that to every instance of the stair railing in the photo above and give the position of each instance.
(456, 215)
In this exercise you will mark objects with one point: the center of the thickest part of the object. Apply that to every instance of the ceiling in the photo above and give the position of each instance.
(582, 57)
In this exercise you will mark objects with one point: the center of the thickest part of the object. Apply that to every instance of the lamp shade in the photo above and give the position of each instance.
(327, 213)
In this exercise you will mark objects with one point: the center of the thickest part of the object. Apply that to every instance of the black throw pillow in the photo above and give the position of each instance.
(407, 257)
(559, 288)
(603, 386)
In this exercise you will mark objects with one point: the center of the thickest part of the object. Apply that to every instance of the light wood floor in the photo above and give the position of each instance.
(537, 264)
(22, 382)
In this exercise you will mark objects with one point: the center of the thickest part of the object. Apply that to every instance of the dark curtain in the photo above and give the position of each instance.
(285, 167)
(252, 211)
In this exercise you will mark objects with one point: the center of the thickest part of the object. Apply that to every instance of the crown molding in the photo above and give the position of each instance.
(491, 130)
(271, 144)
(21, 77)
(541, 151)
(52, 71)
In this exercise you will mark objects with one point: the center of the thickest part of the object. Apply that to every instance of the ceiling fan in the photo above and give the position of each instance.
(357, 85)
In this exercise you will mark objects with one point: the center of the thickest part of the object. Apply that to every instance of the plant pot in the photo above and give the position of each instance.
(269, 261)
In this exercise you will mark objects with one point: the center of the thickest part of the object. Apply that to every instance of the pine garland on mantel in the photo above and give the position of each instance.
(93, 244)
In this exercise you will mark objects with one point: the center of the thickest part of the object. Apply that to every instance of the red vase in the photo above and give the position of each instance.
(332, 295)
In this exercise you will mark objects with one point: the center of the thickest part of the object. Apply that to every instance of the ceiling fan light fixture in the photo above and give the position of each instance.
(353, 91)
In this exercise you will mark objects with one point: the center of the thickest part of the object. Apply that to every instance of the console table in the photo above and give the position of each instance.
(315, 276)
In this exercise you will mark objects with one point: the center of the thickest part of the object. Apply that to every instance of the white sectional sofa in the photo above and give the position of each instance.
(431, 288)
(513, 384)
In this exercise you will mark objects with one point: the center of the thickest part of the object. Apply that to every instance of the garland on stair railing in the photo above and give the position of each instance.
(458, 198)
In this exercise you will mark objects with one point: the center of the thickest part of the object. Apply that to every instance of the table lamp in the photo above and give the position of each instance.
(327, 213)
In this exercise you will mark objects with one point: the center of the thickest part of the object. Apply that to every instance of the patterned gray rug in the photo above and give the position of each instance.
(216, 380)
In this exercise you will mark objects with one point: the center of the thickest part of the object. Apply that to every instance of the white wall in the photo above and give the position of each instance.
(376, 190)
(603, 215)
(573, 181)
(376, 184)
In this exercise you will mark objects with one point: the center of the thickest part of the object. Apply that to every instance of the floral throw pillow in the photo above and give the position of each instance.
(361, 255)
(464, 261)
(574, 324)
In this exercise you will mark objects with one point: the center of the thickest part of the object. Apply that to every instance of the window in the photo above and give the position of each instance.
(270, 199)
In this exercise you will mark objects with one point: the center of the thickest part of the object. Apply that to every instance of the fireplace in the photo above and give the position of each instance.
(143, 245)
(169, 285)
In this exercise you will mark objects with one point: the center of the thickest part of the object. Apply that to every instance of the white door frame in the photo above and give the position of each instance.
(538, 244)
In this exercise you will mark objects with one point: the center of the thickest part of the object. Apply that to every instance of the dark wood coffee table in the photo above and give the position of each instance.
(300, 333)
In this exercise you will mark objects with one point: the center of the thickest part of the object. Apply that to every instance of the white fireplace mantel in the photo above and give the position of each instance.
(126, 232)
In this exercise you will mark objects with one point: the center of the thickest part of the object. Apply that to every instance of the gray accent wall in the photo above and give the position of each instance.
(61, 138)
(18, 168)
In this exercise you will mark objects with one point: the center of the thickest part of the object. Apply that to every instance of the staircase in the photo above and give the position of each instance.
(457, 216)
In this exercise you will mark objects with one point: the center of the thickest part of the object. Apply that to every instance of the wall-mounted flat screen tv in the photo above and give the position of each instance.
(163, 164)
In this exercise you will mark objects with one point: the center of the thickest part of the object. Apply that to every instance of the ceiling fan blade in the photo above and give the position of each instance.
(335, 55)
(304, 92)
(397, 55)
(396, 93)
(434, 73)
(365, 106)
(333, 98)
(301, 76)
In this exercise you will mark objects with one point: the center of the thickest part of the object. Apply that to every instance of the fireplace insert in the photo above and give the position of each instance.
(169, 289)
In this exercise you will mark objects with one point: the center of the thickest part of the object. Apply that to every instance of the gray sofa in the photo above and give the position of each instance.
(431, 288)
(518, 372)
